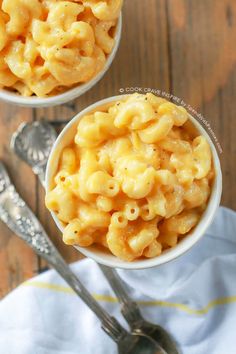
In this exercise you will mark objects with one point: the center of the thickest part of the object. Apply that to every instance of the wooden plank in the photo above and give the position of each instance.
(203, 71)
(17, 261)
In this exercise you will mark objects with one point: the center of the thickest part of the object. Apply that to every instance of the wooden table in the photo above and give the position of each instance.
(183, 47)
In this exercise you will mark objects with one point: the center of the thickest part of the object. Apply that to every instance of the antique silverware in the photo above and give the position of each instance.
(129, 308)
(20, 219)
(133, 316)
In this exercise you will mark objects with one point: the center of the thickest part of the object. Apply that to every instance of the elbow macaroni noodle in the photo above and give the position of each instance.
(135, 180)
(47, 46)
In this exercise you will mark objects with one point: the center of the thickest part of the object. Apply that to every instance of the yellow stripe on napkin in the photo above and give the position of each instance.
(106, 298)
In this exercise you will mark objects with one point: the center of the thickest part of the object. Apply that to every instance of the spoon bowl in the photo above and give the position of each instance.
(143, 345)
(33, 142)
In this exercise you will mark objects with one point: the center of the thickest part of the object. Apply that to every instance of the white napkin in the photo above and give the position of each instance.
(194, 297)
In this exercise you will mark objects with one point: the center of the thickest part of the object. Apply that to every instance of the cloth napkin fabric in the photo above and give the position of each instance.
(193, 297)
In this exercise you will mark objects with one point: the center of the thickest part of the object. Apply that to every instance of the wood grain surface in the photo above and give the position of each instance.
(183, 47)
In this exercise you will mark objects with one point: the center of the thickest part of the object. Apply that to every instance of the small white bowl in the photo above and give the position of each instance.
(106, 258)
(70, 94)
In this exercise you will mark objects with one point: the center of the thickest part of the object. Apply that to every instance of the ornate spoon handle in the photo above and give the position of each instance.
(20, 219)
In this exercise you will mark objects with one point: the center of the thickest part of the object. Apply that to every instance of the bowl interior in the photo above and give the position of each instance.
(102, 256)
(70, 94)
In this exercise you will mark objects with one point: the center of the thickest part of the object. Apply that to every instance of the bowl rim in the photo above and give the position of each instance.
(185, 244)
(70, 94)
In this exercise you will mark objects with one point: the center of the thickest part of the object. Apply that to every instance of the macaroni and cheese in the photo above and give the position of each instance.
(135, 180)
(48, 46)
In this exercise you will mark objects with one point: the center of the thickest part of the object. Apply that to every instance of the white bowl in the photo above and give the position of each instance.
(70, 94)
(184, 245)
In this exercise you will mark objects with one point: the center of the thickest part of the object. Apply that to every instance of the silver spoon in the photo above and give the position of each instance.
(32, 142)
(129, 308)
(20, 219)
(133, 316)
